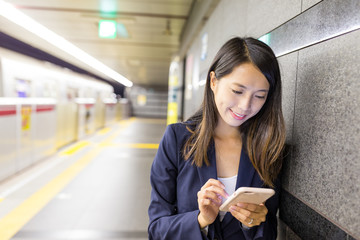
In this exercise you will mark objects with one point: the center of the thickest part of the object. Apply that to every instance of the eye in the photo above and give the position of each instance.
(260, 97)
(237, 92)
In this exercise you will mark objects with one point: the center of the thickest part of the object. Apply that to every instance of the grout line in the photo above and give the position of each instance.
(293, 120)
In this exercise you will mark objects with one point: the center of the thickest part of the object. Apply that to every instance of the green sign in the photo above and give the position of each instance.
(107, 29)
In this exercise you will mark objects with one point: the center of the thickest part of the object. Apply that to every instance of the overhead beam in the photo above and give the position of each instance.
(199, 13)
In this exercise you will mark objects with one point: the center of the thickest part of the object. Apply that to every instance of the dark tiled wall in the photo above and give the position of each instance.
(306, 223)
(321, 104)
(325, 20)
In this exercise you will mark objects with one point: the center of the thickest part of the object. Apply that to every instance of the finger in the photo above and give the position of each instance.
(259, 208)
(213, 182)
(208, 194)
(219, 191)
(248, 221)
(215, 186)
(242, 218)
(263, 208)
(208, 203)
(259, 216)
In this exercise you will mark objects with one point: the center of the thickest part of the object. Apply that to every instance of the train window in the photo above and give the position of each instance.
(23, 88)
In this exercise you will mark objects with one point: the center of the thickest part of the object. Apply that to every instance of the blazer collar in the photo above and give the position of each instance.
(207, 172)
(246, 170)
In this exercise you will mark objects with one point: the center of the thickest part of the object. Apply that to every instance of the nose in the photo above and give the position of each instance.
(245, 103)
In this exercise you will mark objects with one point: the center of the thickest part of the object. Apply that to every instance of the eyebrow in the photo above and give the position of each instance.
(242, 86)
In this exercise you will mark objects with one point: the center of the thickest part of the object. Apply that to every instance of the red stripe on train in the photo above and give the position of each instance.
(44, 108)
(7, 112)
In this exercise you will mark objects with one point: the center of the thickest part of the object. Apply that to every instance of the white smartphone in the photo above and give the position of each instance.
(247, 195)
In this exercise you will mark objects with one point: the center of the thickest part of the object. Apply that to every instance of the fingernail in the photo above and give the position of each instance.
(232, 208)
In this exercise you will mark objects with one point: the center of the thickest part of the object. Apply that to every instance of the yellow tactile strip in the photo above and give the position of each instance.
(17, 218)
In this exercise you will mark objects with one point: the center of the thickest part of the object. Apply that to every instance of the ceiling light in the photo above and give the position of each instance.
(14, 15)
(108, 8)
(107, 29)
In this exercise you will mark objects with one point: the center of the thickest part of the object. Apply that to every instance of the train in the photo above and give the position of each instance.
(45, 107)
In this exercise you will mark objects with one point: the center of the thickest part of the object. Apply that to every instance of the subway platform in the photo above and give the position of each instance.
(96, 188)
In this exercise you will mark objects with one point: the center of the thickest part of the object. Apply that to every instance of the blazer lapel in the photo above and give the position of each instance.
(246, 173)
(207, 172)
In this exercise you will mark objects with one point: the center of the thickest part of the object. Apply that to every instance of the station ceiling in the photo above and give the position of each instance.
(154, 29)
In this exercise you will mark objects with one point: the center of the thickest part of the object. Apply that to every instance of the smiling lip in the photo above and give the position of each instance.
(237, 116)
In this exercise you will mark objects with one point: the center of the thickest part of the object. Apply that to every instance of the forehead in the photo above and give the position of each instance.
(247, 75)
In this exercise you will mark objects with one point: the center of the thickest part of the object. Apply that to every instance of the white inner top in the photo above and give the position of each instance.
(230, 184)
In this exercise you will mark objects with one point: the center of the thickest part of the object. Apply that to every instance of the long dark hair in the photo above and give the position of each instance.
(264, 133)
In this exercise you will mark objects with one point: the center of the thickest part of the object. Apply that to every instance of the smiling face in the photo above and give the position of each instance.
(239, 95)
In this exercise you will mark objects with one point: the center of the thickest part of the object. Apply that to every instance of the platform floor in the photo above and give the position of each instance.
(97, 188)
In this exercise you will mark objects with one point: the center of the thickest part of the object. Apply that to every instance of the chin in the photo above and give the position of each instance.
(235, 123)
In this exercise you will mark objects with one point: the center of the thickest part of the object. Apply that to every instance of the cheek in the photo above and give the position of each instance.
(226, 101)
(258, 106)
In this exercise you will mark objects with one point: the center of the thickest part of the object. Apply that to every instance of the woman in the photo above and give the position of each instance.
(234, 140)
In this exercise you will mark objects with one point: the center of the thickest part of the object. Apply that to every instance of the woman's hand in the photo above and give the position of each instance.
(249, 214)
(209, 201)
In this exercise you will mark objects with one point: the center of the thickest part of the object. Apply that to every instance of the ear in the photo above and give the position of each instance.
(213, 80)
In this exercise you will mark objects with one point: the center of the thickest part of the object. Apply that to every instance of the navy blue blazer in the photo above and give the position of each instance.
(175, 182)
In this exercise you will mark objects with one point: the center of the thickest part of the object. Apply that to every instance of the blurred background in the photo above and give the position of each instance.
(88, 87)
